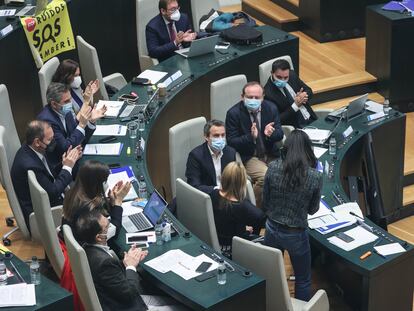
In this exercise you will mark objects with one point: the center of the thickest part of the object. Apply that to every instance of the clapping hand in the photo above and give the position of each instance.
(301, 98)
(98, 113)
(254, 131)
(269, 129)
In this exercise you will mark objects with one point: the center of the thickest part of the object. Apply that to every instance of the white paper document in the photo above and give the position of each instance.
(6, 30)
(317, 134)
(152, 75)
(110, 130)
(346, 208)
(318, 151)
(113, 179)
(390, 249)
(180, 263)
(373, 106)
(17, 295)
(102, 149)
(323, 210)
(360, 236)
(9, 12)
(112, 107)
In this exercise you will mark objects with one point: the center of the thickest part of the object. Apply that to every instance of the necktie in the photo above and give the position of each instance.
(288, 96)
(172, 31)
(260, 147)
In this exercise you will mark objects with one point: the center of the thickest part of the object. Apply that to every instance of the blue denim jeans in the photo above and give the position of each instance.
(297, 245)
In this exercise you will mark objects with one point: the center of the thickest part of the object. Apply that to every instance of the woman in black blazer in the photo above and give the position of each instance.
(234, 214)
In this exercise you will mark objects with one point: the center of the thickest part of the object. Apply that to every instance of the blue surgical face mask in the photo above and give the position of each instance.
(280, 83)
(218, 143)
(66, 108)
(252, 104)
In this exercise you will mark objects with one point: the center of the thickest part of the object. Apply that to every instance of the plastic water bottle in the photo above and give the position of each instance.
(3, 273)
(332, 146)
(221, 273)
(142, 188)
(166, 232)
(35, 271)
(158, 234)
(386, 107)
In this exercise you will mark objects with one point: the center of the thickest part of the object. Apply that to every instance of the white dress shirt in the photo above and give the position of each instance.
(295, 107)
(217, 166)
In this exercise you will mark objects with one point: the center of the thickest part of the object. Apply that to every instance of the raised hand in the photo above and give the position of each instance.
(254, 130)
(269, 129)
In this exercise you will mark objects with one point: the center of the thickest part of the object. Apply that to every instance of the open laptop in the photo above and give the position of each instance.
(152, 212)
(199, 47)
(354, 108)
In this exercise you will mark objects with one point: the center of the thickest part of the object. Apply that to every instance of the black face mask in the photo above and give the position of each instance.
(51, 146)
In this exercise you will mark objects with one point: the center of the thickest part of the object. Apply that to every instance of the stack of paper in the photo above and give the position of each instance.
(152, 75)
(373, 106)
(112, 107)
(17, 295)
(180, 263)
(360, 236)
(318, 151)
(103, 149)
(110, 130)
(317, 135)
(390, 249)
(114, 178)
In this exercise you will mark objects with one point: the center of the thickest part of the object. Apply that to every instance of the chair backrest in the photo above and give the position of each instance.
(145, 11)
(45, 76)
(266, 262)
(229, 2)
(319, 302)
(183, 137)
(250, 193)
(200, 8)
(90, 67)
(225, 93)
(81, 272)
(195, 211)
(266, 68)
(46, 224)
(7, 181)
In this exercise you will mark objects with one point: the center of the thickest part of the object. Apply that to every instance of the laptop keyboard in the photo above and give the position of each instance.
(140, 221)
(132, 110)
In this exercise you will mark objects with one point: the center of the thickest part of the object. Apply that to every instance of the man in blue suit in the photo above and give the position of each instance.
(168, 31)
(253, 129)
(206, 162)
(31, 156)
(69, 129)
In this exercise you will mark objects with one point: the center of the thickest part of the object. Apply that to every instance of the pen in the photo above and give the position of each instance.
(17, 272)
(364, 256)
(96, 150)
(119, 129)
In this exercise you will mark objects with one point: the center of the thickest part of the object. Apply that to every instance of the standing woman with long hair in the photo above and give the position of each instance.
(292, 190)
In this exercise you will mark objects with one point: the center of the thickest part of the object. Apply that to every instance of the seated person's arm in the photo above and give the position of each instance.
(250, 215)
(193, 174)
(155, 48)
(277, 134)
(234, 138)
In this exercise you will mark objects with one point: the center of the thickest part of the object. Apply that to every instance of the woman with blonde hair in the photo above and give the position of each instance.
(234, 214)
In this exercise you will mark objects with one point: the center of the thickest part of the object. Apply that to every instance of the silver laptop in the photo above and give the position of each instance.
(199, 47)
(356, 107)
(152, 212)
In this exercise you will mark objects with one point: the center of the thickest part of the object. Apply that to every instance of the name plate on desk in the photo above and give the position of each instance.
(347, 132)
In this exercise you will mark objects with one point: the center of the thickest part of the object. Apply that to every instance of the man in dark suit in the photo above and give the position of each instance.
(69, 129)
(253, 129)
(117, 283)
(32, 156)
(206, 162)
(290, 94)
(168, 31)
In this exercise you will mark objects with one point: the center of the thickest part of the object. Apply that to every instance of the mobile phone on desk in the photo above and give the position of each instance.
(344, 237)
(203, 267)
(129, 98)
(107, 139)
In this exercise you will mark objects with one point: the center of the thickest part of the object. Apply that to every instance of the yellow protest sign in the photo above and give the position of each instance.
(50, 32)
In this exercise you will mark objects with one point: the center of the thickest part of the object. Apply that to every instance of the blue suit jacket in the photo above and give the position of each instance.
(159, 44)
(238, 129)
(26, 159)
(200, 170)
(64, 138)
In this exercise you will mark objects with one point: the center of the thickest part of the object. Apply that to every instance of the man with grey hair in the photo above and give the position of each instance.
(69, 129)
(31, 156)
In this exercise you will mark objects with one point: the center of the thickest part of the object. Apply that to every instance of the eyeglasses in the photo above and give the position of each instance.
(172, 10)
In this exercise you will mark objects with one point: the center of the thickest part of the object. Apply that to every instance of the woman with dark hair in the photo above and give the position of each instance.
(292, 190)
(90, 187)
(234, 214)
(68, 72)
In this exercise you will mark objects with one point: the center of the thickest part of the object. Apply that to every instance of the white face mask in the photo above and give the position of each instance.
(176, 16)
(76, 83)
(111, 232)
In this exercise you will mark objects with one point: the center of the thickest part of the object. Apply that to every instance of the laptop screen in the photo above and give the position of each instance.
(155, 207)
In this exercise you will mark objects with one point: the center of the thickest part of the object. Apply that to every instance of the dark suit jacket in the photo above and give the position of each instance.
(26, 159)
(159, 44)
(64, 138)
(238, 129)
(288, 116)
(200, 170)
(117, 287)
